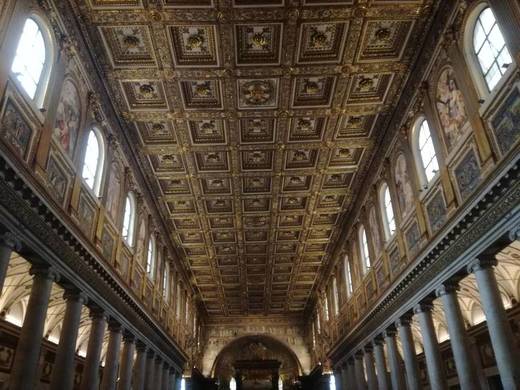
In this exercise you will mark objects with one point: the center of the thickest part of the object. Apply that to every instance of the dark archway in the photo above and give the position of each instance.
(256, 348)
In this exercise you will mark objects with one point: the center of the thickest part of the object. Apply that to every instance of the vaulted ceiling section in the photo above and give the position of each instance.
(255, 123)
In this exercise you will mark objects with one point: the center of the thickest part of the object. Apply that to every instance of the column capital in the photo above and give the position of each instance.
(140, 346)
(128, 336)
(114, 326)
(404, 321)
(482, 262)
(11, 241)
(514, 234)
(423, 307)
(158, 358)
(379, 340)
(172, 371)
(97, 313)
(359, 355)
(150, 353)
(73, 294)
(166, 366)
(446, 288)
(390, 332)
(350, 361)
(369, 348)
(44, 271)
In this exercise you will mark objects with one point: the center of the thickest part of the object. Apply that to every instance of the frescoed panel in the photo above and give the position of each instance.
(403, 185)
(374, 231)
(451, 108)
(107, 243)
(15, 130)
(59, 177)
(467, 174)
(394, 259)
(114, 191)
(506, 122)
(68, 117)
(413, 238)
(86, 212)
(436, 211)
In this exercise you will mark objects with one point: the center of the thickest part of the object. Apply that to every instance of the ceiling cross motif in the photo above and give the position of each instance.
(254, 120)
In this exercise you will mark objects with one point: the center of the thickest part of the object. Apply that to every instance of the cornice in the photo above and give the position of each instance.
(476, 227)
(48, 237)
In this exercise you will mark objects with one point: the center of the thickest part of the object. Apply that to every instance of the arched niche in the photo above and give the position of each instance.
(256, 347)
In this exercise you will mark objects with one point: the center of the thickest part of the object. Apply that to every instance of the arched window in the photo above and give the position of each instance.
(93, 161)
(326, 307)
(332, 382)
(129, 219)
(183, 384)
(335, 295)
(387, 211)
(489, 47)
(318, 323)
(363, 250)
(232, 384)
(426, 157)
(32, 62)
(166, 282)
(150, 256)
(348, 276)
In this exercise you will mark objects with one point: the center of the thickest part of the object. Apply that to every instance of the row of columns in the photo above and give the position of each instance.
(366, 369)
(147, 372)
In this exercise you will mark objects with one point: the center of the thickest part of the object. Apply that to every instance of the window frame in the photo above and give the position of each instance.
(348, 276)
(417, 154)
(41, 94)
(129, 239)
(151, 257)
(335, 295)
(166, 282)
(383, 190)
(364, 249)
(476, 71)
(100, 168)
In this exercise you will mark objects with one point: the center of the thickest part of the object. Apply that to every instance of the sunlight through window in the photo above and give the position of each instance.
(427, 152)
(389, 212)
(129, 220)
(93, 162)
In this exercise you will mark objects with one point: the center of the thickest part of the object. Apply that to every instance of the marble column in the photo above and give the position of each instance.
(139, 366)
(466, 370)
(396, 372)
(8, 243)
(158, 372)
(506, 352)
(404, 328)
(351, 369)
(370, 368)
(360, 371)
(379, 352)
(63, 372)
(127, 357)
(112, 357)
(166, 377)
(150, 372)
(344, 377)
(25, 365)
(434, 364)
(98, 325)
(337, 378)
(173, 383)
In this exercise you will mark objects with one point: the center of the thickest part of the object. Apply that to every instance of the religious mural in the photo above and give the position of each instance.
(58, 178)
(436, 211)
(403, 185)
(68, 116)
(114, 191)
(413, 238)
(451, 108)
(506, 123)
(374, 230)
(15, 130)
(467, 174)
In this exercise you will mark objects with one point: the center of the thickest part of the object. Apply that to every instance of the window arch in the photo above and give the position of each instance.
(348, 276)
(486, 48)
(151, 255)
(387, 211)
(32, 64)
(94, 160)
(128, 230)
(424, 150)
(363, 250)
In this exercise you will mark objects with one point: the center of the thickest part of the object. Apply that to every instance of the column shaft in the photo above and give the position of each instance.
(337, 378)
(90, 376)
(125, 374)
(506, 352)
(396, 373)
(352, 375)
(150, 372)
(467, 373)
(63, 372)
(139, 367)
(8, 244)
(112, 358)
(344, 378)
(166, 377)
(434, 364)
(410, 355)
(158, 373)
(360, 372)
(382, 376)
(370, 369)
(25, 366)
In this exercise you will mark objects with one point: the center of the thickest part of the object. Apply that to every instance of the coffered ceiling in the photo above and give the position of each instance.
(255, 122)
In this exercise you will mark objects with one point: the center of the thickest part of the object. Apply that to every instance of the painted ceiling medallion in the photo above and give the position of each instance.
(258, 93)
(194, 45)
(258, 44)
(322, 42)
